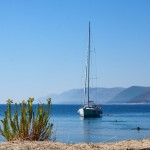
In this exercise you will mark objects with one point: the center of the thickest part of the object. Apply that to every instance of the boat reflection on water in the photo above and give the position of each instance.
(88, 128)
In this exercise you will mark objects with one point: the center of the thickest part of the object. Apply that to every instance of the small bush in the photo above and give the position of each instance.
(28, 125)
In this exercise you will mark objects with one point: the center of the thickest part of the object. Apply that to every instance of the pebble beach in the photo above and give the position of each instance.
(45, 145)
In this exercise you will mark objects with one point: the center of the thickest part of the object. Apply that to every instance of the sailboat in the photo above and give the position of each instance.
(90, 109)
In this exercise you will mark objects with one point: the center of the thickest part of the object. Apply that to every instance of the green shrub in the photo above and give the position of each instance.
(28, 125)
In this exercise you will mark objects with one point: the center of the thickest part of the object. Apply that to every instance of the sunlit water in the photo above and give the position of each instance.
(119, 122)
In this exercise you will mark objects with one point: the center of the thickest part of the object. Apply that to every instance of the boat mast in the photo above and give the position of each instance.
(89, 46)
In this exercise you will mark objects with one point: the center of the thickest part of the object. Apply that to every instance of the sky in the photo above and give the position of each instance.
(43, 44)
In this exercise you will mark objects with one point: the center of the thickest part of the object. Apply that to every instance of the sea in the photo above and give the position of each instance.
(119, 122)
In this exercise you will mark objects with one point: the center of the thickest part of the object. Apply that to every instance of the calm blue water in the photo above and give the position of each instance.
(118, 123)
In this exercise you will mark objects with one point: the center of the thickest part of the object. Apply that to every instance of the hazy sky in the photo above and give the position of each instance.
(42, 44)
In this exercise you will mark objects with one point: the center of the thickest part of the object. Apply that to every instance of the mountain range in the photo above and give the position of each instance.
(133, 94)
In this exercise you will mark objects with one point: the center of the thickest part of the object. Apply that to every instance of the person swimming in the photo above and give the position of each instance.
(138, 128)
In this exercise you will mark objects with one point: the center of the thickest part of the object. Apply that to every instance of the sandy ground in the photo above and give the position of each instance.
(123, 145)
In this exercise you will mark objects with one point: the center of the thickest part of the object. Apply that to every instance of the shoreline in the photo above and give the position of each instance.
(45, 145)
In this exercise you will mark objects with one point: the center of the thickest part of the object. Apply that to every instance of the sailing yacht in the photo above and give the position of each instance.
(90, 109)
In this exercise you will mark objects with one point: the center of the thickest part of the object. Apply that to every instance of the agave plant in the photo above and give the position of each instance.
(28, 125)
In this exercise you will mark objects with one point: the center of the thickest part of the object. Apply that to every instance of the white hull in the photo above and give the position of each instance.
(90, 112)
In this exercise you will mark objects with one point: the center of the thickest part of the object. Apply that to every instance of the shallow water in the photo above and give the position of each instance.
(119, 122)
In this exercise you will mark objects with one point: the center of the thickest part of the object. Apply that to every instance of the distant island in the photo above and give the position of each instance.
(133, 94)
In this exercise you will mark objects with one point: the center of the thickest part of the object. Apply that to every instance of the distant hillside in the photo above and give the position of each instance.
(143, 98)
(131, 94)
(75, 96)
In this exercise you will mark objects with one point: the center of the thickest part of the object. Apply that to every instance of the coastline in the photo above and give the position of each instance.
(45, 145)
